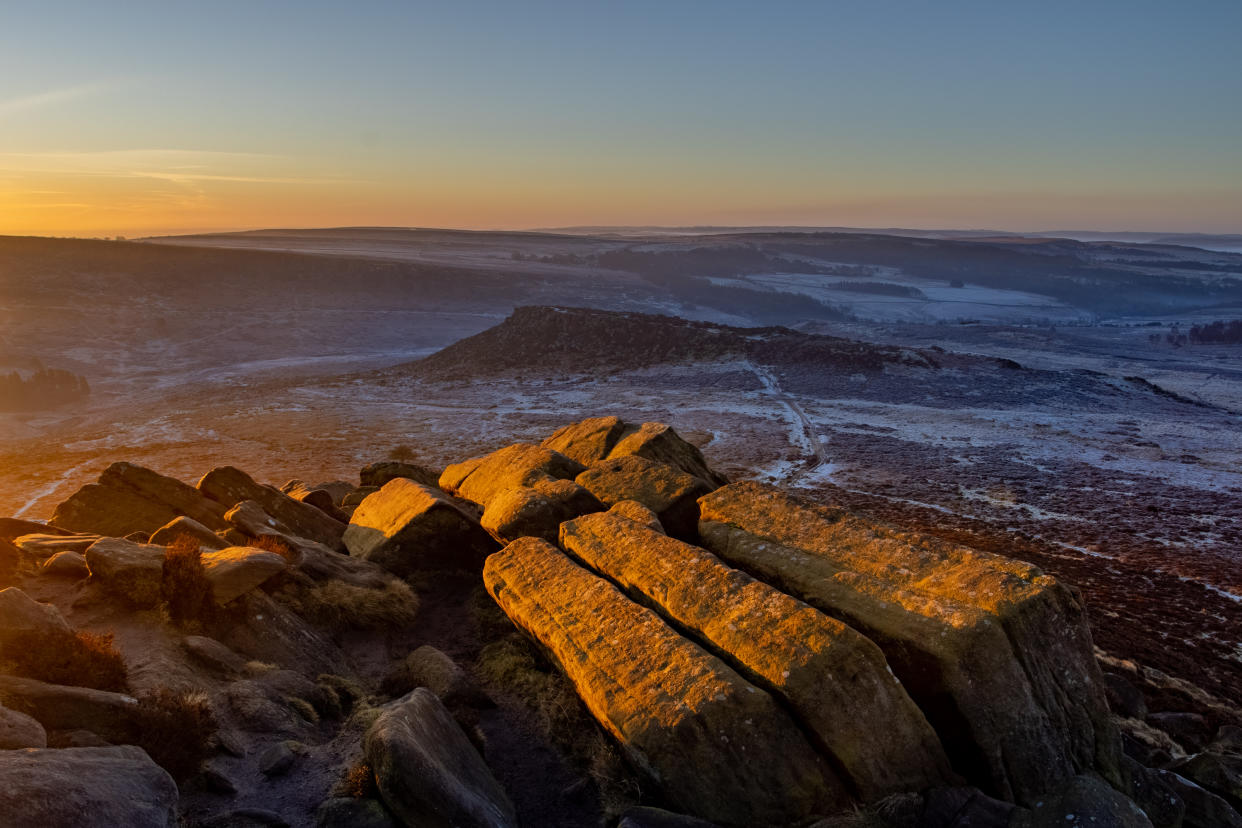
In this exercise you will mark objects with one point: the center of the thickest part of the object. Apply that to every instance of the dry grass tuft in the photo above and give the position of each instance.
(348, 692)
(303, 708)
(271, 543)
(358, 781)
(81, 659)
(184, 588)
(341, 606)
(176, 730)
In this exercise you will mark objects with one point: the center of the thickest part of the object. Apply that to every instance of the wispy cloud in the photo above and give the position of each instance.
(51, 97)
(176, 166)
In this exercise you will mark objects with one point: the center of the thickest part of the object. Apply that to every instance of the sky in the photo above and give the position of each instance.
(137, 118)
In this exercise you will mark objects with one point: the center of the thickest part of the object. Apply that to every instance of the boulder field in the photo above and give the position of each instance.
(595, 629)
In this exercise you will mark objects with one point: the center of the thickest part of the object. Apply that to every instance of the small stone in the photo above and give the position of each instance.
(69, 565)
(17, 731)
(279, 758)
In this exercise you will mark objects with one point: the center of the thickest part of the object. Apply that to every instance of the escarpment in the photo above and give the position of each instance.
(597, 628)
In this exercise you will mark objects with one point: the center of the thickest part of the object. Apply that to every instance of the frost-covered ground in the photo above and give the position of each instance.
(1130, 494)
(933, 301)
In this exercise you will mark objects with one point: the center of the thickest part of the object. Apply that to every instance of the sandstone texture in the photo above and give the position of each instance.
(406, 527)
(238, 569)
(179, 527)
(129, 498)
(130, 571)
(229, 486)
(598, 438)
(427, 771)
(666, 490)
(835, 680)
(997, 654)
(93, 787)
(522, 464)
(718, 746)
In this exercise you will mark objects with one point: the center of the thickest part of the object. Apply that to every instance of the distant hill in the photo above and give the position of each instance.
(546, 340)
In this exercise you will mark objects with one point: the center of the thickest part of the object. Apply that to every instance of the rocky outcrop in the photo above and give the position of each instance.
(1219, 773)
(129, 498)
(238, 569)
(19, 731)
(598, 438)
(587, 441)
(377, 474)
(19, 613)
(130, 571)
(180, 527)
(43, 546)
(321, 499)
(1083, 800)
(522, 464)
(406, 527)
(249, 518)
(12, 528)
(59, 707)
(428, 772)
(229, 486)
(524, 511)
(659, 442)
(718, 746)
(1203, 809)
(95, 787)
(997, 654)
(669, 492)
(832, 678)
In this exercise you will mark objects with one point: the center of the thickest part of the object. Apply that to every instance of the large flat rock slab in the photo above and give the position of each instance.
(835, 680)
(718, 746)
(130, 498)
(60, 707)
(997, 654)
(91, 787)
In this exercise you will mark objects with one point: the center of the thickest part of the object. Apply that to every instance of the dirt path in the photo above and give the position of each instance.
(802, 432)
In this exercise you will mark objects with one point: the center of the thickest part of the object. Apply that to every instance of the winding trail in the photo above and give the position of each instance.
(803, 431)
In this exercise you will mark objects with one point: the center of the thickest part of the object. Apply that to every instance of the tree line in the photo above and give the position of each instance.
(45, 388)
(1219, 331)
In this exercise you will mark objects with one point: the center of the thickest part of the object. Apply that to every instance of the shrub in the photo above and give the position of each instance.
(402, 454)
(184, 588)
(77, 658)
(176, 730)
(339, 605)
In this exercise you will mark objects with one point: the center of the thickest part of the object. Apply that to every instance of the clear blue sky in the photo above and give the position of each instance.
(160, 117)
